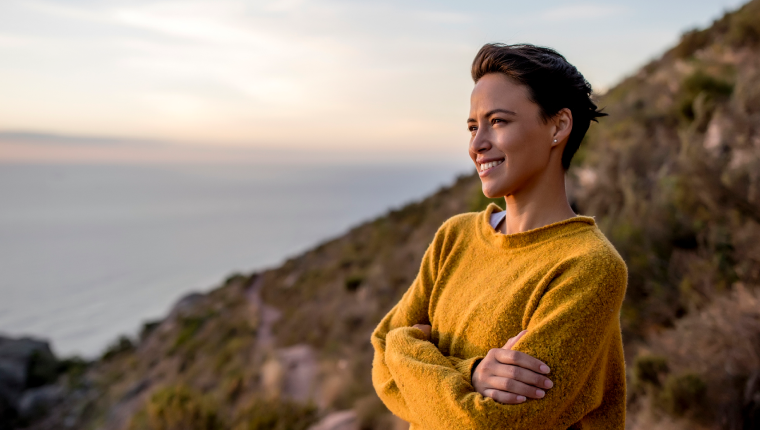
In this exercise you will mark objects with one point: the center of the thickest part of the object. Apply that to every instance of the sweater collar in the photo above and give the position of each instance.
(530, 237)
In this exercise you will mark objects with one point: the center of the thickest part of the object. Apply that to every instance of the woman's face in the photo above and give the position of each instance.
(510, 143)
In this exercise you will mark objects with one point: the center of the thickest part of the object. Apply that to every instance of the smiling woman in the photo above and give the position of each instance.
(513, 320)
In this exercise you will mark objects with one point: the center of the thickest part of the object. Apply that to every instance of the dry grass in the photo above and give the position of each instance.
(703, 371)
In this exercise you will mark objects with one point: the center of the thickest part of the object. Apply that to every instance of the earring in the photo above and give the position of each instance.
(555, 140)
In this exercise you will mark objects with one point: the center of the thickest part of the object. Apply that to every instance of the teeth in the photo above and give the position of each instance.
(486, 166)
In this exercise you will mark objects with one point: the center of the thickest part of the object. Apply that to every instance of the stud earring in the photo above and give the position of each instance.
(555, 140)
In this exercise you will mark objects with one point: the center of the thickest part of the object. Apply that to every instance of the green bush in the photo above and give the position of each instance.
(276, 415)
(354, 282)
(745, 26)
(42, 369)
(691, 42)
(682, 394)
(236, 277)
(189, 327)
(75, 367)
(148, 328)
(177, 408)
(121, 345)
(699, 83)
(649, 370)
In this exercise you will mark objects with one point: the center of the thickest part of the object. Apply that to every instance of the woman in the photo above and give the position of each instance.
(513, 319)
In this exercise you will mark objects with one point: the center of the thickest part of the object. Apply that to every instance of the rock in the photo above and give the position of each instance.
(24, 363)
(37, 401)
(290, 373)
(12, 379)
(186, 304)
(342, 420)
(300, 369)
(272, 375)
(8, 413)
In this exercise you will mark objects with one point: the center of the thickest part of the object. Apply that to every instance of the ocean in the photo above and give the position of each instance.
(90, 252)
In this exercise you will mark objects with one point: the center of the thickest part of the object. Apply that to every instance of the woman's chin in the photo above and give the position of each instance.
(491, 193)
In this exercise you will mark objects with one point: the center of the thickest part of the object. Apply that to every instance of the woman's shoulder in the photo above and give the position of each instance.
(466, 220)
(459, 227)
(462, 220)
(592, 251)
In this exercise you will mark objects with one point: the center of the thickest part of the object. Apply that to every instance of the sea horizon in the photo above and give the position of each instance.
(90, 252)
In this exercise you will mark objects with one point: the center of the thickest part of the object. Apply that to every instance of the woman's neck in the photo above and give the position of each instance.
(540, 203)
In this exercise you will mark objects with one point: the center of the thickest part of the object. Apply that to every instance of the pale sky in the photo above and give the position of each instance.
(382, 77)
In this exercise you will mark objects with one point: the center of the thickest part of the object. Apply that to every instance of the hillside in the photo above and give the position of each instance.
(673, 179)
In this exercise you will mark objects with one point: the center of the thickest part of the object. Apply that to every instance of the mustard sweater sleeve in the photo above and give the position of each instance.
(411, 309)
(571, 329)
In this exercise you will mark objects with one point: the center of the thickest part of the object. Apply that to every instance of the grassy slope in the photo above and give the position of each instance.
(672, 176)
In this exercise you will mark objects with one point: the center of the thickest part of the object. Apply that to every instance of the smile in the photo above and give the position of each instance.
(486, 166)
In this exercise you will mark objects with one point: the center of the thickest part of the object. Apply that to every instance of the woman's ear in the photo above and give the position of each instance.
(563, 125)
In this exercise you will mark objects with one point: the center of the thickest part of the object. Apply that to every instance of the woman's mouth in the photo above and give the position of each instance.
(484, 168)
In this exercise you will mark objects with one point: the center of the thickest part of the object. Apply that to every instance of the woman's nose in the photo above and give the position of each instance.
(480, 142)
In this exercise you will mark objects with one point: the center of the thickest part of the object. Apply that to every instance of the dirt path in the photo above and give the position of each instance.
(266, 315)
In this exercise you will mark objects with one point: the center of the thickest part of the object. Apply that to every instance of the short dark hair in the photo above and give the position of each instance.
(553, 84)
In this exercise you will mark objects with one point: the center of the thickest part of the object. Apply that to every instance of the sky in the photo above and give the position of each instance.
(365, 79)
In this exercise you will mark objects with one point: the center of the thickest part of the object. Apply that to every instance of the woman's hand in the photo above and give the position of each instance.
(511, 377)
(425, 329)
(507, 376)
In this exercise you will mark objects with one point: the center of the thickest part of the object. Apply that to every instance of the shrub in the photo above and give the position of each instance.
(121, 345)
(649, 370)
(745, 26)
(177, 408)
(42, 369)
(718, 346)
(148, 328)
(682, 394)
(700, 84)
(236, 277)
(354, 282)
(691, 42)
(189, 326)
(73, 366)
(276, 414)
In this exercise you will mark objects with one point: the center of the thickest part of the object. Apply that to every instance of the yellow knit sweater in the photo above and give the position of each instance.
(564, 283)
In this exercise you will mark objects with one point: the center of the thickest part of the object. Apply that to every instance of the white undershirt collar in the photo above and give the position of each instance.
(496, 218)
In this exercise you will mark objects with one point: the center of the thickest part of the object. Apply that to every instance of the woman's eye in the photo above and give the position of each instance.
(497, 120)
(472, 128)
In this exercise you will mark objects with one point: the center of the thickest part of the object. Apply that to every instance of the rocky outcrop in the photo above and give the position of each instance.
(27, 368)
(291, 373)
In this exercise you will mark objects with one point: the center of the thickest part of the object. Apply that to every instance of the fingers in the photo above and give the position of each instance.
(516, 387)
(522, 375)
(513, 340)
(504, 397)
(425, 329)
(517, 358)
(510, 376)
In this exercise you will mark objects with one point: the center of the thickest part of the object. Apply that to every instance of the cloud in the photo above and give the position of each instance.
(444, 16)
(65, 11)
(201, 22)
(14, 41)
(578, 12)
(343, 73)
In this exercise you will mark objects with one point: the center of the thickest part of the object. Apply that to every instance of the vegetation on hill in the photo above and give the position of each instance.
(673, 179)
